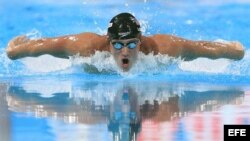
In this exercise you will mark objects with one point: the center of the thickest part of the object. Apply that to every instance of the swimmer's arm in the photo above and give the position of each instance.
(61, 47)
(213, 50)
(21, 47)
(189, 50)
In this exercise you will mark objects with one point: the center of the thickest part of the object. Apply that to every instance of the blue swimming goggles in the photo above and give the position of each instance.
(130, 44)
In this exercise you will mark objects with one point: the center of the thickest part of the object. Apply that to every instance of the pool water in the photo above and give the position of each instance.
(88, 98)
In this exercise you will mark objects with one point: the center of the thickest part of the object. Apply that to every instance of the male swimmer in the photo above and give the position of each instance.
(124, 40)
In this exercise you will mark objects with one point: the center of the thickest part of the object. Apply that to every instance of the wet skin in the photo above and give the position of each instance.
(86, 44)
(125, 57)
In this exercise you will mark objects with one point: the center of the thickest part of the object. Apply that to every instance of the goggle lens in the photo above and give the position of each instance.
(119, 45)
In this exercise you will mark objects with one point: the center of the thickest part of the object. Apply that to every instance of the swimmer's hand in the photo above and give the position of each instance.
(236, 50)
(13, 49)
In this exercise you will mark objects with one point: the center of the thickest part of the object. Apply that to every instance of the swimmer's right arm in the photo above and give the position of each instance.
(83, 44)
(21, 46)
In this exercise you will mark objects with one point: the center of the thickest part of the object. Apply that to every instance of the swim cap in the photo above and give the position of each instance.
(123, 26)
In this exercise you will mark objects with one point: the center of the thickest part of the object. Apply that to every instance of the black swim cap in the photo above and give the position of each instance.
(123, 26)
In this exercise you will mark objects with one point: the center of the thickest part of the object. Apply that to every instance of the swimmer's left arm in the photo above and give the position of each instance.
(189, 50)
(214, 50)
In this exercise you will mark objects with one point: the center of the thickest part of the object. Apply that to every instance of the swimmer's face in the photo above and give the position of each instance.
(125, 52)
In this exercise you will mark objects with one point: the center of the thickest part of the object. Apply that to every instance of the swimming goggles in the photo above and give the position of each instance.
(131, 44)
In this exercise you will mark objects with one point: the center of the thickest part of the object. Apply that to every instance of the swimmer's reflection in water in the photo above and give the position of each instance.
(163, 111)
(125, 112)
(125, 118)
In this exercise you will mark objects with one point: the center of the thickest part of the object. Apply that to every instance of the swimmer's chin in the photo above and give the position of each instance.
(125, 68)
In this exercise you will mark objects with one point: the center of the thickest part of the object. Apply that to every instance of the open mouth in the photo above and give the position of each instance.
(125, 62)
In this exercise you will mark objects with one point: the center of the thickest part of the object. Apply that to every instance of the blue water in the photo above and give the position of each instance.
(52, 99)
(192, 20)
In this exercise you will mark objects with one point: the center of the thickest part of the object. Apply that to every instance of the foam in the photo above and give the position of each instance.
(34, 34)
(205, 65)
(103, 62)
(45, 63)
(100, 61)
(241, 67)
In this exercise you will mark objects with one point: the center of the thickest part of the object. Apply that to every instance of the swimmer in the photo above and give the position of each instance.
(124, 41)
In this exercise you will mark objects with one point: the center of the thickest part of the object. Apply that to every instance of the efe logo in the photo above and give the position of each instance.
(240, 132)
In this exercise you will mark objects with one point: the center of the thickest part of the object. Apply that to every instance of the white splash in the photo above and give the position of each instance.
(101, 31)
(5, 62)
(144, 26)
(34, 34)
(205, 65)
(100, 62)
(45, 63)
(241, 67)
(104, 62)
(152, 63)
(146, 64)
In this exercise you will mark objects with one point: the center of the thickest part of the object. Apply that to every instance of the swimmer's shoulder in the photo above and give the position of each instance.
(92, 37)
(148, 45)
(157, 39)
(165, 43)
(85, 44)
(93, 40)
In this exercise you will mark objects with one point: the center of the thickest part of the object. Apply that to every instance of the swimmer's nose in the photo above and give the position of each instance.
(125, 52)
